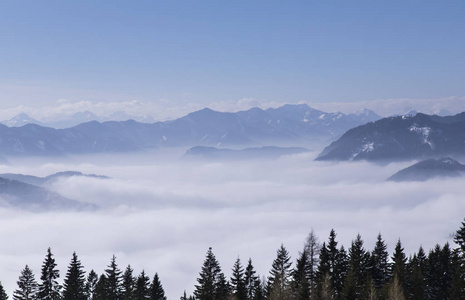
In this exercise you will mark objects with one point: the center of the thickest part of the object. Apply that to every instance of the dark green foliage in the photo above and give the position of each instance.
(379, 268)
(300, 280)
(212, 284)
(439, 275)
(341, 269)
(156, 289)
(74, 282)
(358, 270)
(369, 291)
(332, 268)
(339, 265)
(417, 276)
(49, 289)
(324, 267)
(458, 273)
(223, 287)
(399, 265)
(27, 286)
(251, 281)
(101, 290)
(184, 297)
(459, 238)
(113, 280)
(128, 284)
(260, 290)
(238, 287)
(3, 295)
(91, 283)
(458, 266)
(142, 288)
(279, 281)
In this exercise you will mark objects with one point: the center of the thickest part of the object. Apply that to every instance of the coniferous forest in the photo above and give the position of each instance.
(321, 271)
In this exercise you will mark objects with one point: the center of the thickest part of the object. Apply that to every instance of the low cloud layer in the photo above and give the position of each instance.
(161, 215)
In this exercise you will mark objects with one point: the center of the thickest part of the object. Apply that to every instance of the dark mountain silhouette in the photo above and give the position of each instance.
(20, 195)
(42, 181)
(430, 168)
(248, 153)
(401, 138)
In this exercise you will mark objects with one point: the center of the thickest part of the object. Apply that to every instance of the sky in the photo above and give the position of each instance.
(188, 54)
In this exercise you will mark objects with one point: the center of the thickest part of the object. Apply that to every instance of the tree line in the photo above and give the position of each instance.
(330, 272)
(324, 271)
(112, 284)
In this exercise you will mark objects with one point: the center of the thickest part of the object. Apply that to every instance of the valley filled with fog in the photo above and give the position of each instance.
(160, 211)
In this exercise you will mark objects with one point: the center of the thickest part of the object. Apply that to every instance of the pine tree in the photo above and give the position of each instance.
(238, 287)
(49, 289)
(212, 284)
(91, 283)
(74, 282)
(113, 280)
(380, 263)
(333, 261)
(300, 280)
(312, 247)
(260, 289)
(457, 272)
(324, 266)
(250, 280)
(370, 291)
(142, 288)
(341, 269)
(280, 275)
(128, 284)
(27, 286)
(3, 295)
(326, 292)
(395, 290)
(101, 290)
(184, 296)
(156, 289)
(459, 238)
(439, 275)
(459, 263)
(398, 267)
(358, 262)
(223, 289)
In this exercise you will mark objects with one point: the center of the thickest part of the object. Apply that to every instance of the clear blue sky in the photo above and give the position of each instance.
(224, 50)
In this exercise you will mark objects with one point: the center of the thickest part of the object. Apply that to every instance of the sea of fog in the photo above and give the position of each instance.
(161, 212)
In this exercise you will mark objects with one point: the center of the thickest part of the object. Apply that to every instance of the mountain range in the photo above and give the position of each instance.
(30, 193)
(67, 121)
(430, 168)
(401, 138)
(298, 125)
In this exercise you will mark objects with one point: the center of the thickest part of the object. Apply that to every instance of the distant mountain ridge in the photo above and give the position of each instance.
(31, 193)
(73, 120)
(41, 181)
(21, 120)
(296, 124)
(401, 138)
(247, 153)
(430, 168)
